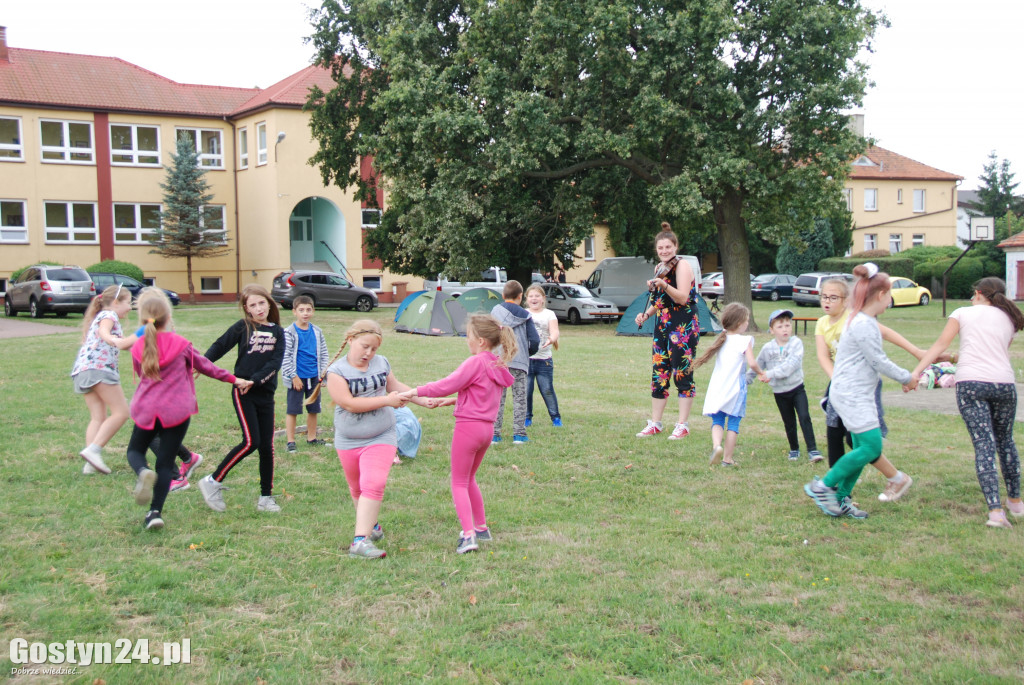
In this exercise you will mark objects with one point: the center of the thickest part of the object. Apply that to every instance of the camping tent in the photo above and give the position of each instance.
(479, 300)
(406, 302)
(433, 313)
(709, 324)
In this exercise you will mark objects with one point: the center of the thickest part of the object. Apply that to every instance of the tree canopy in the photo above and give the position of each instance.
(996, 194)
(504, 130)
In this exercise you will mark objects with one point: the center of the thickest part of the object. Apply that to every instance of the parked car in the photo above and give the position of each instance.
(807, 289)
(493, 278)
(905, 292)
(715, 287)
(772, 287)
(326, 288)
(104, 280)
(46, 288)
(620, 280)
(576, 304)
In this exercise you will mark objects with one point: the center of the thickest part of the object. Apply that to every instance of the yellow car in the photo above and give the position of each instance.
(905, 292)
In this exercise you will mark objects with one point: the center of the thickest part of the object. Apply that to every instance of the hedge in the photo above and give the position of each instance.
(893, 265)
(15, 274)
(962, 278)
(114, 266)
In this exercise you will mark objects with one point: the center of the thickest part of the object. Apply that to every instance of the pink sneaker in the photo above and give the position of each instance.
(893, 491)
(1016, 508)
(187, 467)
(179, 484)
(652, 429)
(680, 431)
(997, 519)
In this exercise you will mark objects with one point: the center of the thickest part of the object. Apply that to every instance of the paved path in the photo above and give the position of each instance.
(23, 328)
(942, 400)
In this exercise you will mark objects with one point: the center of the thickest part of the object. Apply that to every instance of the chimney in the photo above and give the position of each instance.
(4, 57)
(856, 124)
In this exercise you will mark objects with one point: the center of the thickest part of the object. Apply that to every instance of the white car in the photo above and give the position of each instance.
(713, 285)
(576, 304)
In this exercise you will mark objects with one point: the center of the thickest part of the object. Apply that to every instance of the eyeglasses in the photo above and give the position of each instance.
(832, 298)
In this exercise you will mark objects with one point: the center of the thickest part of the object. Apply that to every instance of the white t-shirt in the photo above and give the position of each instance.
(985, 336)
(727, 389)
(542, 321)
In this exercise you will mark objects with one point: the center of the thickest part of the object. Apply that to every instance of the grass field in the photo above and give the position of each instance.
(615, 559)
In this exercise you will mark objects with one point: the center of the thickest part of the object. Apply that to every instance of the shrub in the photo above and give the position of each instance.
(894, 265)
(870, 254)
(931, 253)
(114, 266)
(15, 274)
(962, 278)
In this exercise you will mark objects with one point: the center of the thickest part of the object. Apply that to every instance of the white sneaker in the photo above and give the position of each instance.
(88, 469)
(212, 493)
(144, 487)
(266, 503)
(651, 429)
(94, 456)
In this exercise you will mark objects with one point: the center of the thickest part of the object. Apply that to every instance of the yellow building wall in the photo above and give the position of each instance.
(937, 223)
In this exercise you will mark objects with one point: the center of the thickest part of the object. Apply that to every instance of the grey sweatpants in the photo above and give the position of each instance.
(518, 404)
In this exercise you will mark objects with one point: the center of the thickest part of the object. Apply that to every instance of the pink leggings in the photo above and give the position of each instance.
(366, 470)
(469, 445)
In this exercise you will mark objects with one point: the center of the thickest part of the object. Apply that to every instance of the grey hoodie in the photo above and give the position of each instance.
(518, 319)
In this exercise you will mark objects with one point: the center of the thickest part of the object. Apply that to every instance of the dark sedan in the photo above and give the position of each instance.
(327, 289)
(772, 287)
(104, 280)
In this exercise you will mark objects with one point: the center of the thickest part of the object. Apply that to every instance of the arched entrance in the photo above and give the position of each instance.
(316, 235)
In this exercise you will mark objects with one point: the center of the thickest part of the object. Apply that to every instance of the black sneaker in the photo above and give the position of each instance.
(317, 442)
(291, 447)
(153, 520)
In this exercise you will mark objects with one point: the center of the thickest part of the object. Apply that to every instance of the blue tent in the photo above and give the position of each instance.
(709, 324)
(407, 301)
(433, 313)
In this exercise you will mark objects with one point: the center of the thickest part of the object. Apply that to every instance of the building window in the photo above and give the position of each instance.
(243, 148)
(11, 149)
(134, 223)
(371, 218)
(261, 144)
(848, 197)
(12, 222)
(899, 196)
(209, 284)
(66, 141)
(871, 199)
(135, 145)
(918, 240)
(371, 282)
(3, 285)
(918, 200)
(588, 248)
(870, 241)
(209, 144)
(895, 243)
(213, 216)
(70, 222)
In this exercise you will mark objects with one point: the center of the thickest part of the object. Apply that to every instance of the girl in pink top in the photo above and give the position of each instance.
(985, 390)
(165, 399)
(478, 382)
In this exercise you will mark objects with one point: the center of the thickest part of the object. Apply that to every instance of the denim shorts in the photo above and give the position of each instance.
(297, 397)
(720, 418)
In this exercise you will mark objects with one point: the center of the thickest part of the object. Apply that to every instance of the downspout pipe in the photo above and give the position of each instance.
(238, 228)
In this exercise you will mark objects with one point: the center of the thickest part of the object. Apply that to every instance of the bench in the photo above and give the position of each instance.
(805, 319)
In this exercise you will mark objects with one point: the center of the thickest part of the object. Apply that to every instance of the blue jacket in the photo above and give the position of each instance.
(527, 338)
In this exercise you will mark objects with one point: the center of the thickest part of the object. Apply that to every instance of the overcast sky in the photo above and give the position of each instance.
(947, 75)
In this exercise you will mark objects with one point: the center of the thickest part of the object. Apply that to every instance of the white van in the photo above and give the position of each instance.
(493, 278)
(621, 279)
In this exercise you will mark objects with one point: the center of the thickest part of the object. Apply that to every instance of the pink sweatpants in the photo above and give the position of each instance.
(469, 445)
(366, 470)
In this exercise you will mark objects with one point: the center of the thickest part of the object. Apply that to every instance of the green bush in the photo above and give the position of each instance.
(931, 253)
(114, 266)
(895, 265)
(15, 274)
(962, 278)
(870, 254)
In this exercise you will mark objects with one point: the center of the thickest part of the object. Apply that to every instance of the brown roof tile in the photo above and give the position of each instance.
(891, 166)
(288, 92)
(1013, 241)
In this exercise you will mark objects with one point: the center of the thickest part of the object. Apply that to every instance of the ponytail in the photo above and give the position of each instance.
(870, 282)
(154, 315)
(993, 289)
(103, 300)
(733, 316)
(486, 327)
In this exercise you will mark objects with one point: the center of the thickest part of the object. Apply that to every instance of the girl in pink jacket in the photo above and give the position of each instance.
(165, 399)
(478, 382)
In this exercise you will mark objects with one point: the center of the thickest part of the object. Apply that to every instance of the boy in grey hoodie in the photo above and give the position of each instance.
(510, 314)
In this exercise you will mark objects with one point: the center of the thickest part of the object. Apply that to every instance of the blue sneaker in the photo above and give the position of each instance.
(496, 439)
(556, 422)
(519, 439)
(823, 496)
(529, 422)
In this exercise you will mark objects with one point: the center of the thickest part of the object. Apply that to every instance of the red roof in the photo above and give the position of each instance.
(888, 165)
(289, 92)
(57, 79)
(1013, 241)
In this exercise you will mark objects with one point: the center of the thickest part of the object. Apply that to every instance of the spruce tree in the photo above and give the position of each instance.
(996, 193)
(186, 231)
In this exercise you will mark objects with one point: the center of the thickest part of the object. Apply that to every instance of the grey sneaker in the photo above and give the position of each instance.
(716, 456)
(823, 496)
(144, 487)
(467, 545)
(848, 508)
(794, 455)
(292, 447)
(366, 549)
(377, 533)
(484, 535)
(814, 456)
(267, 503)
(213, 493)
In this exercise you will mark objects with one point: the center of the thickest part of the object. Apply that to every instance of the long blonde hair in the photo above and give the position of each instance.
(105, 300)
(486, 327)
(154, 314)
(361, 327)
(733, 316)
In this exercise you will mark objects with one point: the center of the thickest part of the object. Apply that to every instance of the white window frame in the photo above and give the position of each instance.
(141, 235)
(67, 150)
(899, 196)
(7, 232)
(870, 241)
(919, 200)
(70, 229)
(243, 148)
(588, 249)
(848, 197)
(917, 240)
(203, 286)
(223, 222)
(368, 212)
(134, 152)
(18, 146)
(895, 243)
(871, 199)
(261, 143)
(206, 160)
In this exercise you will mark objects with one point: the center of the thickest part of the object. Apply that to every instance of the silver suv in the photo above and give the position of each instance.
(807, 289)
(46, 288)
(327, 289)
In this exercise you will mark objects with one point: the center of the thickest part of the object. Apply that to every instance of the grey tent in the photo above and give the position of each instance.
(433, 313)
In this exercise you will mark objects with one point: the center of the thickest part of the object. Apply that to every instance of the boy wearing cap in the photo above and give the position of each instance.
(783, 362)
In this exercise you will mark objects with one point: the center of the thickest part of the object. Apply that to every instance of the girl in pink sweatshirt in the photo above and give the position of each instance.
(165, 399)
(478, 382)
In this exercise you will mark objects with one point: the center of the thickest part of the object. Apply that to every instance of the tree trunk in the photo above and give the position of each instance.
(191, 286)
(520, 272)
(734, 250)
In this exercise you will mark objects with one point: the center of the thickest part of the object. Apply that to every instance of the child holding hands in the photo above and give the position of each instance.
(479, 382)
(726, 399)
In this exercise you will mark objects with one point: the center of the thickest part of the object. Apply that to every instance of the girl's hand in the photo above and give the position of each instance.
(446, 401)
(296, 383)
(912, 385)
(640, 318)
(763, 377)
(396, 400)
(243, 385)
(408, 394)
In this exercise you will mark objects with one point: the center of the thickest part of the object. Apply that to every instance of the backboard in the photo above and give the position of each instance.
(982, 228)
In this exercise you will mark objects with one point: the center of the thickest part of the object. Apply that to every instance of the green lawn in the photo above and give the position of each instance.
(614, 559)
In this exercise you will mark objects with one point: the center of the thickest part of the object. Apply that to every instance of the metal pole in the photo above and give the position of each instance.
(945, 275)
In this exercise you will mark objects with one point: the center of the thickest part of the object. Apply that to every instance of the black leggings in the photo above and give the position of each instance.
(792, 405)
(255, 411)
(170, 439)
